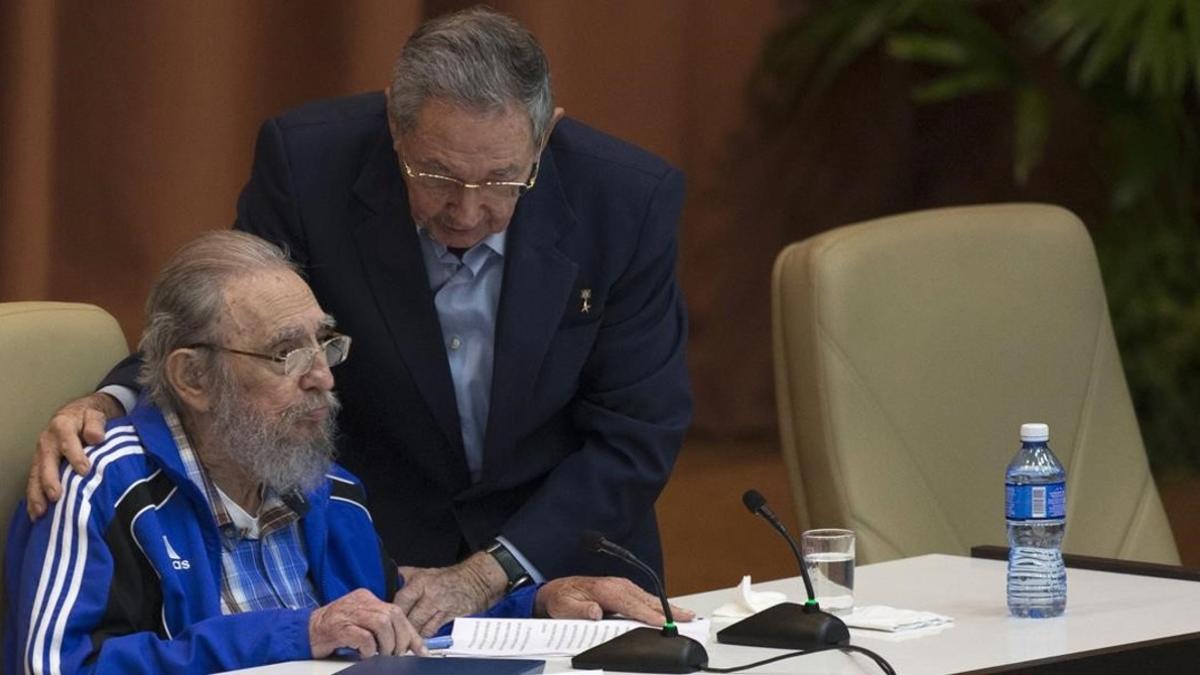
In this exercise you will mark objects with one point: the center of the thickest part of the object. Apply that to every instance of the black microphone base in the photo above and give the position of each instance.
(645, 650)
(788, 626)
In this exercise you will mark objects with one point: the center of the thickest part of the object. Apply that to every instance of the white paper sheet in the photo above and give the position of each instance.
(546, 637)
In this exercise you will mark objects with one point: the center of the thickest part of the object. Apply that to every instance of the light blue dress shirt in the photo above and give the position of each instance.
(466, 293)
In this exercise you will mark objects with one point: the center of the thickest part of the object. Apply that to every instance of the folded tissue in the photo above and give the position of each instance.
(892, 620)
(748, 601)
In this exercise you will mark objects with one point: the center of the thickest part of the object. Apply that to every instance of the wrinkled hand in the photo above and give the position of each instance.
(78, 423)
(364, 622)
(591, 597)
(432, 596)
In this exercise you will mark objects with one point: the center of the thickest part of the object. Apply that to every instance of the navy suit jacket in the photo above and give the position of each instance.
(588, 408)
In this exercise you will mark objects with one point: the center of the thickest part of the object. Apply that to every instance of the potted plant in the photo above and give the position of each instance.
(1133, 68)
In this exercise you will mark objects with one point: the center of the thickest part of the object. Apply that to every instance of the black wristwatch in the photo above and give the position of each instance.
(517, 576)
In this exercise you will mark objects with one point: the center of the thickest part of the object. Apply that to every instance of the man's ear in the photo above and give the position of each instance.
(559, 113)
(188, 378)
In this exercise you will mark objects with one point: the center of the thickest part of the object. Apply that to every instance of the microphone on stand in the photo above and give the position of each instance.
(787, 625)
(641, 650)
(757, 505)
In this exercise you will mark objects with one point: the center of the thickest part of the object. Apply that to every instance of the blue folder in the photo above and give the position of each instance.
(443, 665)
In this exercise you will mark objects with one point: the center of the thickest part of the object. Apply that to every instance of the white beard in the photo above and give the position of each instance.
(269, 447)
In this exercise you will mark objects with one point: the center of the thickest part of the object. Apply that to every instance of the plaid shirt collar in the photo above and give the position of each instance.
(273, 513)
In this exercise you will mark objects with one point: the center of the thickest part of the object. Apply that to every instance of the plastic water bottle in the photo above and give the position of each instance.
(1035, 505)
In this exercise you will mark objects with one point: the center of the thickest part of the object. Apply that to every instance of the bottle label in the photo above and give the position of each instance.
(1035, 502)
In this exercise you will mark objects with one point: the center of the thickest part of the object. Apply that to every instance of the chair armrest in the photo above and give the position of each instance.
(1087, 562)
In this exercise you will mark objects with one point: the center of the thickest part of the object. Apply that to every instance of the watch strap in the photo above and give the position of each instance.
(517, 576)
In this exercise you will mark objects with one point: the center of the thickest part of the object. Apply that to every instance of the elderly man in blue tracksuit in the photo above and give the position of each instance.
(213, 530)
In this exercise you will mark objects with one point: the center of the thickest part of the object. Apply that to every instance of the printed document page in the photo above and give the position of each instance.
(546, 637)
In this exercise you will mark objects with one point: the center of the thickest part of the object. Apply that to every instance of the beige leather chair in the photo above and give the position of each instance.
(908, 351)
(50, 353)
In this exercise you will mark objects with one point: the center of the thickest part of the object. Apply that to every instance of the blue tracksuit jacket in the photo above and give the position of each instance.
(123, 574)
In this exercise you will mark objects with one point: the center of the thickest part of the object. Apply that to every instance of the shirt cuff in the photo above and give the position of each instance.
(533, 571)
(128, 399)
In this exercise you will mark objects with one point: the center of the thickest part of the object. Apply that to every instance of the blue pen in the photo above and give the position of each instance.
(440, 642)
(346, 653)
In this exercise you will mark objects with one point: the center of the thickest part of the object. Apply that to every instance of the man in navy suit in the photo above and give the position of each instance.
(508, 277)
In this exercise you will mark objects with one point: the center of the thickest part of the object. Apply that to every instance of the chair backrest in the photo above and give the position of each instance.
(908, 351)
(50, 353)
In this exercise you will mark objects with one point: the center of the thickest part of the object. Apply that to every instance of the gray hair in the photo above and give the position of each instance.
(188, 297)
(477, 58)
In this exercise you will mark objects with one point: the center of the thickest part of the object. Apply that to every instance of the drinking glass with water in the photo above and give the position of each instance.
(829, 556)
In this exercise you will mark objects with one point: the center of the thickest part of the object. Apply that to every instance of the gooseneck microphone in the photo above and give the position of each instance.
(787, 625)
(641, 650)
(757, 504)
(596, 543)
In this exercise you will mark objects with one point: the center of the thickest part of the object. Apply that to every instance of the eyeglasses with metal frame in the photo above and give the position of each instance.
(499, 189)
(295, 362)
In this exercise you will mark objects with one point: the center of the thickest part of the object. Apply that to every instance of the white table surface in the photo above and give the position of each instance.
(1103, 609)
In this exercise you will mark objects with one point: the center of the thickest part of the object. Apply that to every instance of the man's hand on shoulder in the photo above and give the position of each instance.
(432, 596)
(593, 597)
(75, 425)
(361, 621)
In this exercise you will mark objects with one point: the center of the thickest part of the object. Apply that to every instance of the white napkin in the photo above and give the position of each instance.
(748, 601)
(890, 619)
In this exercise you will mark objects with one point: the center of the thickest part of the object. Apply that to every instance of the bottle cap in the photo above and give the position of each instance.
(1035, 431)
